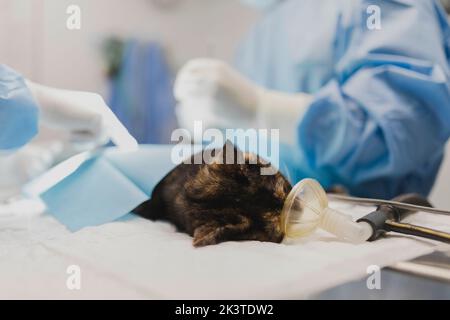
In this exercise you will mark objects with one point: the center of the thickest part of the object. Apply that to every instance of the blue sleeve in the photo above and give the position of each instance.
(380, 126)
(18, 110)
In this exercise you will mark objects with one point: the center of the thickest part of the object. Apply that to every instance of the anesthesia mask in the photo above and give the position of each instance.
(306, 209)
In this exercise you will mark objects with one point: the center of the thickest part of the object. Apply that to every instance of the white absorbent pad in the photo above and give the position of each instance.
(136, 258)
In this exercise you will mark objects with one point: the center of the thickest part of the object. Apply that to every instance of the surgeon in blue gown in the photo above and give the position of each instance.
(360, 88)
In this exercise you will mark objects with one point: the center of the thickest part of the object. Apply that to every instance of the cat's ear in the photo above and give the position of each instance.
(228, 145)
(230, 154)
(206, 235)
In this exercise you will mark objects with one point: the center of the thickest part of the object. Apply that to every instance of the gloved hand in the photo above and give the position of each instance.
(213, 92)
(83, 115)
(70, 122)
(17, 168)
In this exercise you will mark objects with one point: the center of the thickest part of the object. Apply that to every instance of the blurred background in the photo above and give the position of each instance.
(35, 40)
(145, 41)
(130, 51)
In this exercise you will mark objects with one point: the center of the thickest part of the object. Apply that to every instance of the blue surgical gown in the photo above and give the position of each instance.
(381, 110)
(18, 110)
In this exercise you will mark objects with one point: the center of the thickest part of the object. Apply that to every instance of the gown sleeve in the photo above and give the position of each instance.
(380, 125)
(18, 110)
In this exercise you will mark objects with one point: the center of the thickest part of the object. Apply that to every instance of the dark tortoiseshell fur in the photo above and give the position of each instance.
(220, 202)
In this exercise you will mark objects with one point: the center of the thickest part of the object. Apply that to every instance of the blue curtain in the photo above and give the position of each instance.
(141, 93)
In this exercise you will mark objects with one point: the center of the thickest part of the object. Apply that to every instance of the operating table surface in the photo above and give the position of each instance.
(405, 280)
(133, 258)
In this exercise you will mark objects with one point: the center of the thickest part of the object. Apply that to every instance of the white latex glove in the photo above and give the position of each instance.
(17, 168)
(83, 115)
(213, 92)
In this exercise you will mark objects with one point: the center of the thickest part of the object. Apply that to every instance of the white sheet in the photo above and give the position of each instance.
(136, 258)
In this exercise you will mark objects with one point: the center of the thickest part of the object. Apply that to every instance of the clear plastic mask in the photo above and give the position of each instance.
(306, 209)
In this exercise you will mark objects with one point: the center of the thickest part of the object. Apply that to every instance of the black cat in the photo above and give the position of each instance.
(220, 202)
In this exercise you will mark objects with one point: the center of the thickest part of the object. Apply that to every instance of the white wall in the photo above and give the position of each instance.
(34, 38)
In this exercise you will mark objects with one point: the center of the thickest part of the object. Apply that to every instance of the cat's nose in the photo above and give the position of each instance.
(279, 238)
(276, 235)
